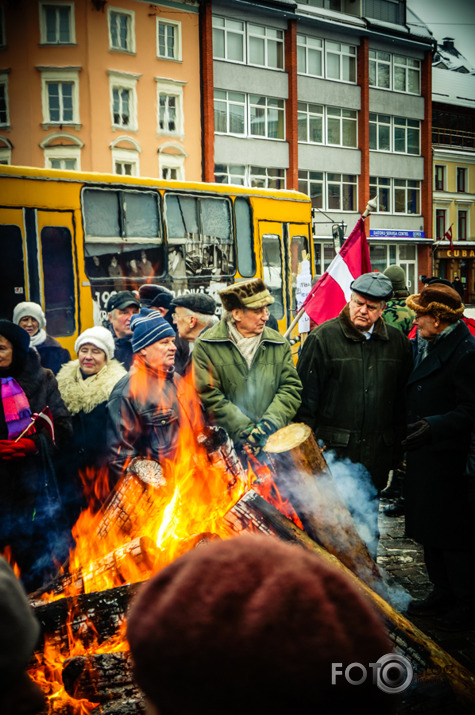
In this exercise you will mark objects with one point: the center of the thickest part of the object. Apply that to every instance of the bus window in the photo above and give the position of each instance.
(58, 274)
(298, 254)
(272, 272)
(12, 272)
(200, 238)
(245, 250)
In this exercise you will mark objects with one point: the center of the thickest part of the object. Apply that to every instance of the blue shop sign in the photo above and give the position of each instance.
(388, 233)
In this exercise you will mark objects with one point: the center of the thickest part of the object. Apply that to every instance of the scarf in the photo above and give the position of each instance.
(38, 338)
(15, 407)
(246, 346)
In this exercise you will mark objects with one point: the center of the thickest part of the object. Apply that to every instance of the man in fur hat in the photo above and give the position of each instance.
(244, 371)
(439, 490)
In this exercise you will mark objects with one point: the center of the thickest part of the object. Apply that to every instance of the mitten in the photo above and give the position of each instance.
(16, 450)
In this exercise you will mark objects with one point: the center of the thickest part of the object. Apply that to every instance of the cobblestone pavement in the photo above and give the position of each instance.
(402, 561)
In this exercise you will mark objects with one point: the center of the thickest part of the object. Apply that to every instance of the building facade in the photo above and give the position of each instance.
(101, 86)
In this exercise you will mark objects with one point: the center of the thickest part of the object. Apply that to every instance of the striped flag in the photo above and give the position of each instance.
(41, 422)
(332, 291)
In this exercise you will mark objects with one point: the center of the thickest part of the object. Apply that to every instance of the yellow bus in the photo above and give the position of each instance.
(68, 240)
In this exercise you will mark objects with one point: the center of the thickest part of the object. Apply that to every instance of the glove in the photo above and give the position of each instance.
(418, 435)
(258, 436)
(16, 450)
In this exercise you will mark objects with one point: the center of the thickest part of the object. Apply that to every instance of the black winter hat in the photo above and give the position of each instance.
(197, 302)
(18, 337)
(162, 299)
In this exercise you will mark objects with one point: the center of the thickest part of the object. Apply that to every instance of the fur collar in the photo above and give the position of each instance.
(82, 395)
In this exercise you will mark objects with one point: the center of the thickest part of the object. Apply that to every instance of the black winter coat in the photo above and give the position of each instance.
(52, 354)
(441, 390)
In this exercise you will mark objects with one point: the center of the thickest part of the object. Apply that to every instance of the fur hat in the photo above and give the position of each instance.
(197, 302)
(439, 300)
(252, 625)
(98, 336)
(19, 629)
(397, 276)
(149, 327)
(32, 310)
(246, 294)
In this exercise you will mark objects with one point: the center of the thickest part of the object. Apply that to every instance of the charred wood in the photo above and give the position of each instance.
(100, 677)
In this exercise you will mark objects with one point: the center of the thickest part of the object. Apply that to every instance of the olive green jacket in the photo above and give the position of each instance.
(353, 396)
(235, 396)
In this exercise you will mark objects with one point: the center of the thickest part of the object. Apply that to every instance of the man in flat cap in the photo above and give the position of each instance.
(244, 371)
(120, 309)
(353, 370)
(192, 313)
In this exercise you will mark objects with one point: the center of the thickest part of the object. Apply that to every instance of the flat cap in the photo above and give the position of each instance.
(122, 300)
(197, 302)
(375, 286)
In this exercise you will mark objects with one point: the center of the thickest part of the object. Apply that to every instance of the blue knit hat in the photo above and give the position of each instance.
(149, 327)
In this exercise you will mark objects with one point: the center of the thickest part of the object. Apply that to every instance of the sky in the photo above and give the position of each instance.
(449, 18)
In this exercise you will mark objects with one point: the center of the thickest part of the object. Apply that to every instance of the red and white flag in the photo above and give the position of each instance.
(332, 291)
(42, 421)
(448, 237)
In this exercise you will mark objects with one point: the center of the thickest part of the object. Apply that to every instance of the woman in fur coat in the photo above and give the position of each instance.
(85, 385)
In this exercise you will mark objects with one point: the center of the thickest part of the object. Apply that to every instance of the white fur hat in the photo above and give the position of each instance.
(98, 336)
(32, 310)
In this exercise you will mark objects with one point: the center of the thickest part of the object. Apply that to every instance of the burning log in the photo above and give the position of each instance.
(432, 665)
(100, 677)
(302, 476)
(221, 453)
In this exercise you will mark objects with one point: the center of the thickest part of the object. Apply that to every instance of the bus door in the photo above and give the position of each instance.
(57, 258)
(13, 268)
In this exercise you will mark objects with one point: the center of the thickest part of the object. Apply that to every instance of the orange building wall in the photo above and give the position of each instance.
(91, 52)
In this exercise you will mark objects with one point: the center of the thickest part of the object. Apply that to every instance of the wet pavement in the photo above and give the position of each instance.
(402, 561)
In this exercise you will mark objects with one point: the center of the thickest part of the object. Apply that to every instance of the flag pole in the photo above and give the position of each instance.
(370, 206)
(32, 422)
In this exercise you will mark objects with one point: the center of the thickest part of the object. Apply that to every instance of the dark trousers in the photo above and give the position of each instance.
(452, 571)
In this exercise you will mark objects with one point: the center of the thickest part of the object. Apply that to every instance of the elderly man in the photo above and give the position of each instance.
(244, 371)
(353, 370)
(439, 489)
(143, 411)
(193, 313)
(120, 309)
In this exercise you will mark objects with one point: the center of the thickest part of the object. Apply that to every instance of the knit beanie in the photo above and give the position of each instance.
(252, 625)
(98, 336)
(397, 276)
(149, 327)
(19, 339)
(19, 629)
(32, 310)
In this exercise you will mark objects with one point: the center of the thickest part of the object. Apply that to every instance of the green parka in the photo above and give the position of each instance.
(354, 391)
(236, 396)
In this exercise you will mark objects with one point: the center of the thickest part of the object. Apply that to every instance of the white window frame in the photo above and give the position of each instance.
(124, 81)
(378, 184)
(5, 153)
(177, 56)
(263, 177)
(312, 178)
(403, 123)
(341, 183)
(406, 188)
(342, 50)
(62, 153)
(310, 44)
(266, 38)
(227, 101)
(43, 30)
(174, 162)
(378, 58)
(304, 109)
(332, 115)
(400, 61)
(125, 156)
(130, 15)
(230, 174)
(268, 109)
(4, 83)
(228, 26)
(171, 88)
(60, 75)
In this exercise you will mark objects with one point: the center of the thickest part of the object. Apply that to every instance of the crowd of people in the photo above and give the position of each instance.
(372, 396)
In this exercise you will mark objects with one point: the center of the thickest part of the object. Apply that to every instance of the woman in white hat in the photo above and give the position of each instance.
(85, 385)
(31, 318)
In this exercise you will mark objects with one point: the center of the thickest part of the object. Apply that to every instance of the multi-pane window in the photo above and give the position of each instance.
(63, 157)
(228, 39)
(396, 134)
(121, 30)
(60, 102)
(309, 55)
(440, 223)
(4, 116)
(265, 46)
(311, 183)
(169, 173)
(462, 216)
(230, 174)
(380, 132)
(167, 113)
(340, 61)
(341, 126)
(57, 23)
(341, 192)
(266, 178)
(125, 168)
(381, 188)
(121, 107)
(169, 40)
(327, 125)
(396, 195)
(439, 177)
(266, 117)
(407, 196)
(229, 112)
(387, 71)
(242, 175)
(68, 164)
(310, 123)
(461, 179)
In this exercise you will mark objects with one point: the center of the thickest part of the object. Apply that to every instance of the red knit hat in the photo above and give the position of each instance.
(252, 625)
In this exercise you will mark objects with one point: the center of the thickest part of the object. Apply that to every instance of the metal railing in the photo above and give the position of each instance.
(453, 137)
